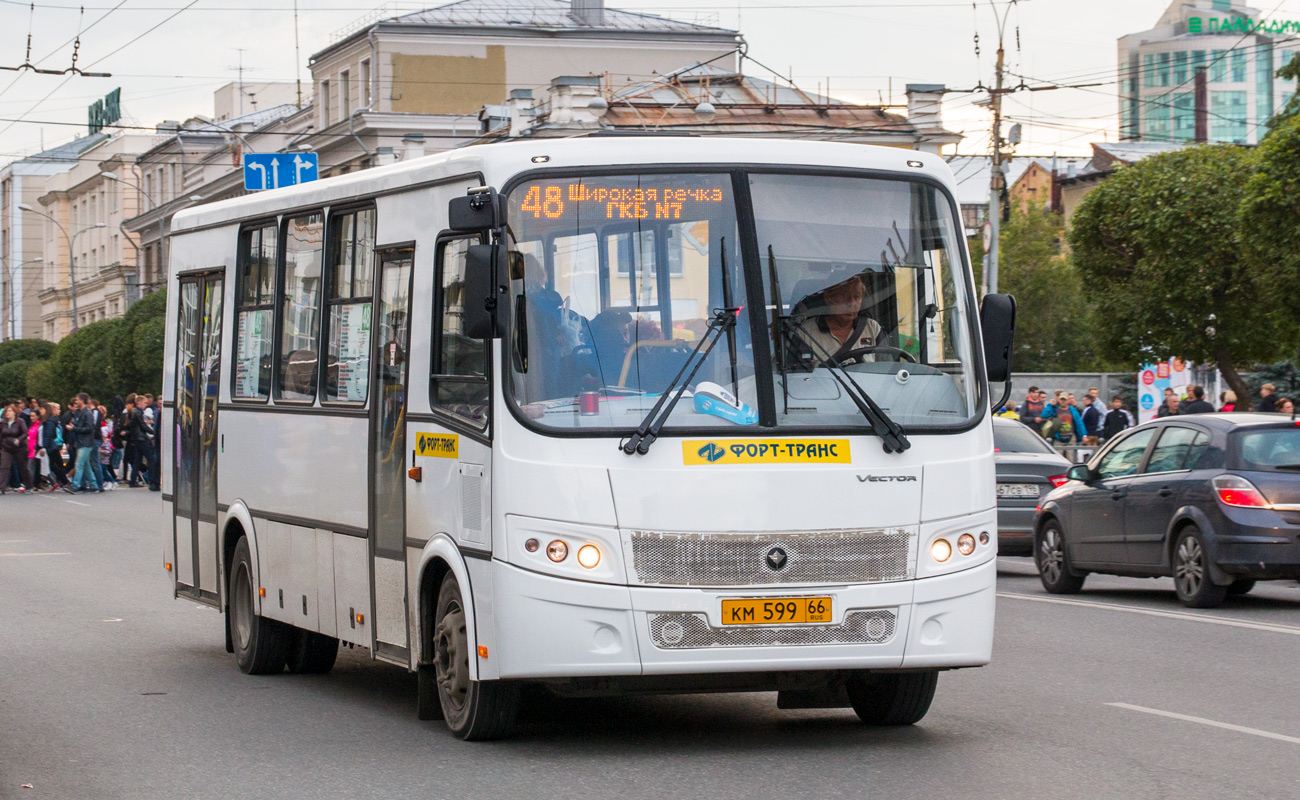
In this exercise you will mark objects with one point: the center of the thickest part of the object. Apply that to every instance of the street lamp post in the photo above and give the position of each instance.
(9, 283)
(72, 259)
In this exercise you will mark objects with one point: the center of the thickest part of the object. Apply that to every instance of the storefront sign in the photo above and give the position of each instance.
(1241, 25)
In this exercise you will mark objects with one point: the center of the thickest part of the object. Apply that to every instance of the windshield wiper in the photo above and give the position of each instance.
(724, 319)
(890, 433)
(778, 312)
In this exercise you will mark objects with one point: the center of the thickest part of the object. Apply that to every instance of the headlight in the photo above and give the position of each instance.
(557, 551)
(941, 550)
(589, 556)
(965, 544)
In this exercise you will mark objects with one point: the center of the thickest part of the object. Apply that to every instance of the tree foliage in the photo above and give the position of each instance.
(13, 379)
(25, 350)
(141, 371)
(1052, 328)
(1270, 220)
(1288, 71)
(1158, 246)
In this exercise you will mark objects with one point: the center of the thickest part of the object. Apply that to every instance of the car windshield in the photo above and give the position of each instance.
(615, 278)
(1269, 449)
(1016, 438)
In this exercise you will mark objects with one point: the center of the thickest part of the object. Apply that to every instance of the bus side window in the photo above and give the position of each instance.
(458, 382)
(300, 312)
(254, 312)
(349, 285)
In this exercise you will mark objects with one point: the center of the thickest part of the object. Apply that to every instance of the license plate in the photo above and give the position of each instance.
(1017, 490)
(768, 611)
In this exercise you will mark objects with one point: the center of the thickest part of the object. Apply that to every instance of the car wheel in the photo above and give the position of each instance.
(1053, 561)
(1192, 572)
(473, 710)
(1240, 587)
(899, 698)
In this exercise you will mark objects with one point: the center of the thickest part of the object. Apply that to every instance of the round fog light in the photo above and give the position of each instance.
(965, 544)
(531, 545)
(941, 550)
(557, 551)
(984, 537)
(589, 556)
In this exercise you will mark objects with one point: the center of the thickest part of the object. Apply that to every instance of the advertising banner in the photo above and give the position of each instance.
(1153, 379)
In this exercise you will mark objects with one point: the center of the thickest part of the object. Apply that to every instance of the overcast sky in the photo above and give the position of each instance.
(861, 47)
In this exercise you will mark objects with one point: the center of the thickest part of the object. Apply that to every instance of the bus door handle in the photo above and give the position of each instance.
(1165, 491)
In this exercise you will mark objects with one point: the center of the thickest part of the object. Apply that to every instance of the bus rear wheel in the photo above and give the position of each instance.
(473, 710)
(261, 644)
(311, 653)
(892, 698)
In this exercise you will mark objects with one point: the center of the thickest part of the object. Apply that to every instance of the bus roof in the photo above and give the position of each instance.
(498, 162)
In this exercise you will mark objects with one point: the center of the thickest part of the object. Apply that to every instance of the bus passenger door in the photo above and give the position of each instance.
(388, 459)
(198, 376)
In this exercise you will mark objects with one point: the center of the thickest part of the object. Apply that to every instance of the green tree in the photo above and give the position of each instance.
(13, 379)
(147, 355)
(1052, 323)
(41, 383)
(127, 375)
(79, 363)
(1270, 224)
(1158, 246)
(25, 350)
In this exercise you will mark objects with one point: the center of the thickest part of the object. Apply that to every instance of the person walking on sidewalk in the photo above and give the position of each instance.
(13, 449)
(52, 443)
(82, 427)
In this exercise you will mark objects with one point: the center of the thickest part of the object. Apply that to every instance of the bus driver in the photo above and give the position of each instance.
(833, 322)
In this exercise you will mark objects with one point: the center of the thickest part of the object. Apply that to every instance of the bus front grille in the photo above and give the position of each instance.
(678, 631)
(764, 559)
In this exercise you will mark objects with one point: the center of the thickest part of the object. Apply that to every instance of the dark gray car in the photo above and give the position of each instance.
(1212, 500)
(1027, 469)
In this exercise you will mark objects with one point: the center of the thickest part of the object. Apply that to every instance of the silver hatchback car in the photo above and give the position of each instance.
(1027, 469)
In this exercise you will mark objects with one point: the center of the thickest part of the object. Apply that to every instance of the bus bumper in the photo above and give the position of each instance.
(549, 627)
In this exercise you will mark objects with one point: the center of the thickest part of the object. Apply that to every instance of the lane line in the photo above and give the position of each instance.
(75, 503)
(24, 555)
(12, 541)
(1212, 723)
(1151, 612)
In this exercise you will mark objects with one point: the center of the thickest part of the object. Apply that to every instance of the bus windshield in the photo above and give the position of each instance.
(615, 278)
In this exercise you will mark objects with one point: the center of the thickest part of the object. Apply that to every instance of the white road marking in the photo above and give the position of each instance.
(1152, 612)
(12, 541)
(75, 503)
(113, 619)
(1212, 723)
(21, 555)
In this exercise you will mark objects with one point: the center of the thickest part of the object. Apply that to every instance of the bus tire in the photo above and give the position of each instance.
(473, 710)
(892, 698)
(311, 653)
(261, 644)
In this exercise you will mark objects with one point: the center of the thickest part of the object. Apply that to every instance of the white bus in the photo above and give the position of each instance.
(602, 414)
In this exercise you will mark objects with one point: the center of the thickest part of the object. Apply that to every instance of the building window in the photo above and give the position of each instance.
(300, 309)
(1155, 123)
(366, 98)
(345, 94)
(458, 379)
(1227, 116)
(1238, 66)
(1149, 70)
(1180, 68)
(1284, 58)
(1219, 66)
(324, 103)
(351, 255)
(254, 311)
(1164, 69)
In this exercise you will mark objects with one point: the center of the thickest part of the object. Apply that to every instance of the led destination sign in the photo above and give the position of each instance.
(553, 201)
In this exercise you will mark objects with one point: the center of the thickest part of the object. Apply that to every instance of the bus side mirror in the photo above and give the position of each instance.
(476, 212)
(483, 263)
(1079, 472)
(998, 324)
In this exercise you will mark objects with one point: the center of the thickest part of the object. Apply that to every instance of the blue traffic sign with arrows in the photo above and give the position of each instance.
(277, 170)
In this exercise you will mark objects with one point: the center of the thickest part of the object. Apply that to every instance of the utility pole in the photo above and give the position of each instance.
(1202, 118)
(997, 179)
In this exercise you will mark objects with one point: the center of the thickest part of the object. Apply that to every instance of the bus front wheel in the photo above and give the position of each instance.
(892, 698)
(261, 644)
(473, 710)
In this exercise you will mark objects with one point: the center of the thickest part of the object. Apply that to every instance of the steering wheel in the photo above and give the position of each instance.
(858, 352)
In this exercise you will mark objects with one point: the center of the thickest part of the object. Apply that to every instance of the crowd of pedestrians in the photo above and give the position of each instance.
(85, 447)
(1066, 422)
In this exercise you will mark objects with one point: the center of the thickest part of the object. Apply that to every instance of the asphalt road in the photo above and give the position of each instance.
(111, 689)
